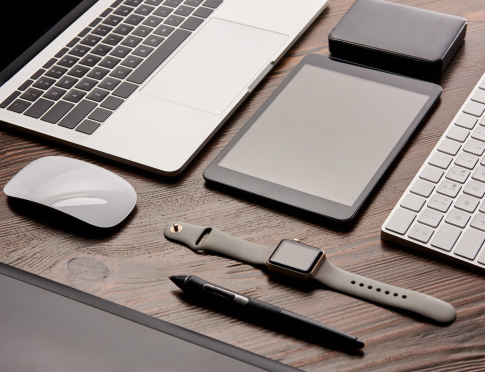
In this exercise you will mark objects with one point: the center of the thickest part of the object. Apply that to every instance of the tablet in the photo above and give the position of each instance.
(46, 326)
(325, 137)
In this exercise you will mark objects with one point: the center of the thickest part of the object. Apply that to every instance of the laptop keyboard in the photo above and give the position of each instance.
(85, 82)
(443, 210)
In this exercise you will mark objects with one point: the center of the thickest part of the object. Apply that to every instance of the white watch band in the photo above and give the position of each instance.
(328, 274)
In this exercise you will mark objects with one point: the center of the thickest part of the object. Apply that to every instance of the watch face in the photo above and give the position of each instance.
(296, 256)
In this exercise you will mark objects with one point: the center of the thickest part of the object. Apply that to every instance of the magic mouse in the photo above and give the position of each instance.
(82, 190)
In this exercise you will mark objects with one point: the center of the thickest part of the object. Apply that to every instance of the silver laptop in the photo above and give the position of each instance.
(145, 82)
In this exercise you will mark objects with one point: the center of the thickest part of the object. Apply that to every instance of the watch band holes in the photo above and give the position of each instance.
(387, 292)
(370, 287)
(361, 284)
(203, 237)
(404, 296)
(395, 295)
(378, 289)
(353, 282)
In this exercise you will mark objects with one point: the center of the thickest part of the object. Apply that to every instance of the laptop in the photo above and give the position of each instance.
(144, 82)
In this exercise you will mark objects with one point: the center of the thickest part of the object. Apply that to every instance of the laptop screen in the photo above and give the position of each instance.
(25, 22)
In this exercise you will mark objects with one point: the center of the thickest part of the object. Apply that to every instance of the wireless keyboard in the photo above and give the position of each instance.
(442, 212)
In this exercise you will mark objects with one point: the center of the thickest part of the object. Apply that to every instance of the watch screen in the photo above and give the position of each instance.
(295, 256)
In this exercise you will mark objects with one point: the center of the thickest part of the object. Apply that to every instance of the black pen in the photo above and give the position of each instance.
(194, 285)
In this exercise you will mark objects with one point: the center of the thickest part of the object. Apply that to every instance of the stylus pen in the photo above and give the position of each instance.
(194, 285)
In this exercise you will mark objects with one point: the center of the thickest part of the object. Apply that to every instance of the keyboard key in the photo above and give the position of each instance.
(481, 258)
(84, 32)
(142, 31)
(101, 50)
(421, 233)
(203, 12)
(412, 202)
(475, 147)
(132, 61)
(120, 52)
(131, 41)
(174, 20)
(440, 203)
(123, 30)
(195, 3)
(470, 244)
(68, 61)
(466, 121)
(87, 127)
(212, 3)
(54, 93)
(192, 23)
(479, 174)
(77, 114)
(109, 62)
(61, 52)
(19, 106)
(430, 218)
(144, 10)
(44, 83)
(90, 60)
(123, 11)
(422, 188)
(112, 103)
(9, 99)
(95, 22)
(25, 85)
(109, 83)
(98, 95)
(74, 95)
(153, 2)
(113, 20)
(98, 73)
(125, 90)
(153, 40)
(457, 218)
(152, 21)
(78, 71)
(467, 203)
(86, 84)
(103, 30)
(478, 222)
(449, 188)
(133, 3)
(79, 51)
(31, 94)
(90, 40)
(158, 56)
(105, 13)
(38, 74)
(475, 188)
(164, 30)
(479, 96)
(431, 174)
(466, 160)
(100, 115)
(446, 237)
(184, 11)
(449, 147)
(134, 19)
(479, 133)
(172, 3)
(163, 11)
(457, 134)
(56, 72)
(50, 63)
(400, 221)
(56, 113)
(39, 108)
(474, 108)
(73, 42)
(458, 174)
(142, 51)
(441, 160)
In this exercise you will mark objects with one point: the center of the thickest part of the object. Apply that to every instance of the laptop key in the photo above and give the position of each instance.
(79, 51)
(39, 108)
(467, 203)
(38, 74)
(131, 41)
(457, 218)
(479, 174)
(431, 174)
(25, 85)
(164, 30)
(133, 3)
(440, 203)
(61, 52)
(144, 10)
(98, 95)
(475, 188)
(421, 233)
(470, 244)
(109, 83)
(142, 31)
(98, 73)
(478, 222)
(173, 3)
(9, 99)
(449, 188)
(475, 147)
(95, 22)
(132, 61)
(430, 218)
(466, 121)
(153, 2)
(56, 113)
(184, 11)
(174, 20)
(74, 95)
(105, 13)
(56, 72)
(158, 56)
(466, 160)
(73, 42)
(102, 30)
(120, 52)
(446, 237)
(90, 60)
(120, 72)
(203, 12)
(113, 20)
(90, 40)
(192, 23)
(400, 221)
(44, 83)
(458, 174)
(153, 21)
(163, 11)
(19, 106)
(100, 115)
(84, 32)
(68, 61)
(123, 30)
(195, 3)
(112, 103)
(413, 202)
(142, 51)
(153, 40)
(78, 71)
(125, 90)
(134, 19)
(49, 63)
(87, 127)
(54, 93)
(212, 3)
(86, 84)
(123, 11)
(102, 50)
(77, 114)
(109, 62)
(31, 94)
(422, 188)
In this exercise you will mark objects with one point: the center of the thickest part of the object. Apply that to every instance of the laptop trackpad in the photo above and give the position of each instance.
(215, 66)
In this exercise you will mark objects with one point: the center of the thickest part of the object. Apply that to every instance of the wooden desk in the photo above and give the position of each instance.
(131, 264)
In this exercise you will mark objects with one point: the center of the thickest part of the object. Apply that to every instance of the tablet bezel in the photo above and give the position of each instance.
(302, 200)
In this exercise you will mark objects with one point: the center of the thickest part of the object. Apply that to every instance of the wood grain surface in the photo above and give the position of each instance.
(130, 264)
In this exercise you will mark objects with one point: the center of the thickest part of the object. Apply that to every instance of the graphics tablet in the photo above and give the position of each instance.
(325, 137)
(46, 326)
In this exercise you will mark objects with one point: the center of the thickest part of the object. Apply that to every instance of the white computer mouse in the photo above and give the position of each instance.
(82, 190)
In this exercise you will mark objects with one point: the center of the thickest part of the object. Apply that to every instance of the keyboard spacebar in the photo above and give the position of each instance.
(158, 56)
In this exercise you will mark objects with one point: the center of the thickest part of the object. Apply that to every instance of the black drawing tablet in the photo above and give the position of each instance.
(325, 137)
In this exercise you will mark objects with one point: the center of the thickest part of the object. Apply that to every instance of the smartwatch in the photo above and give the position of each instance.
(305, 262)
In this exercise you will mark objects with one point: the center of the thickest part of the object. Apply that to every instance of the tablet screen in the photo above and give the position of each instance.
(326, 134)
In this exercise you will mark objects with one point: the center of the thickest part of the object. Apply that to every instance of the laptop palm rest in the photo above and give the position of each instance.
(215, 66)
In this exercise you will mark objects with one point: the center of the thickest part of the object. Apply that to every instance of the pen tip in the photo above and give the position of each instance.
(359, 344)
(178, 280)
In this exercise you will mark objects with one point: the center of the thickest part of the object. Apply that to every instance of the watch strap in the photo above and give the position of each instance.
(386, 294)
(219, 242)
